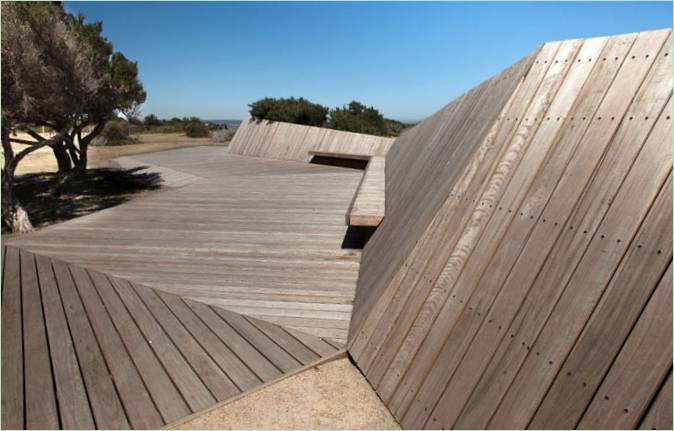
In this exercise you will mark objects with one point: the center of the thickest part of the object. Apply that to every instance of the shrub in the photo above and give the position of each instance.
(356, 117)
(152, 120)
(223, 135)
(116, 130)
(195, 128)
(298, 111)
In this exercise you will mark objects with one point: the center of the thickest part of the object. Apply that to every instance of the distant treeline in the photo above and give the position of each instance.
(354, 117)
(191, 126)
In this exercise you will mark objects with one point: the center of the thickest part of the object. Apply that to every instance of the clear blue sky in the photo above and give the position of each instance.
(212, 59)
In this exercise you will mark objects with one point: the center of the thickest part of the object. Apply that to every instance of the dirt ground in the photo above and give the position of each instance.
(332, 396)
(43, 160)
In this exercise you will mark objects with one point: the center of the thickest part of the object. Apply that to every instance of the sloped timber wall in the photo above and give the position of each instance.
(279, 140)
(522, 274)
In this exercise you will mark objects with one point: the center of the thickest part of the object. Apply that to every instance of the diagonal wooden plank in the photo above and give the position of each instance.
(289, 343)
(279, 357)
(166, 396)
(216, 380)
(73, 402)
(639, 369)
(659, 414)
(315, 344)
(191, 387)
(138, 404)
(105, 403)
(236, 370)
(582, 371)
(259, 364)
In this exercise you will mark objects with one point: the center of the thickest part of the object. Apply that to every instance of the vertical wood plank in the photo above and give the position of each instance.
(12, 343)
(41, 409)
(74, 408)
(106, 406)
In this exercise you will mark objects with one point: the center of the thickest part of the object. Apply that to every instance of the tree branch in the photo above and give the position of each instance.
(26, 151)
(33, 134)
(23, 141)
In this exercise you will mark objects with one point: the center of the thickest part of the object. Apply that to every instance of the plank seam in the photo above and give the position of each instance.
(654, 398)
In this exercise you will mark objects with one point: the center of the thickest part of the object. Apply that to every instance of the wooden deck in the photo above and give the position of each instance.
(84, 350)
(259, 237)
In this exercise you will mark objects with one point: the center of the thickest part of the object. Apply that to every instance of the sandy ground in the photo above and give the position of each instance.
(332, 396)
(43, 160)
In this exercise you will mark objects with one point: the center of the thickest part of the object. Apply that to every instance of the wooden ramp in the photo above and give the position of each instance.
(286, 141)
(84, 350)
(259, 237)
(522, 274)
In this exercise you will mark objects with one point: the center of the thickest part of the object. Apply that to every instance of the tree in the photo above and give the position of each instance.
(39, 56)
(356, 117)
(195, 128)
(298, 111)
(151, 120)
(121, 90)
(61, 73)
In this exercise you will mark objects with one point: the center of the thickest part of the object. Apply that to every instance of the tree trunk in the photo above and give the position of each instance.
(62, 158)
(14, 217)
(81, 164)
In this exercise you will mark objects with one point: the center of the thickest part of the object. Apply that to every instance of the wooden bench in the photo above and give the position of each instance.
(368, 205)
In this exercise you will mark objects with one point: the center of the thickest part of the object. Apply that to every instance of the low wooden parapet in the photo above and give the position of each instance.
(368, 205)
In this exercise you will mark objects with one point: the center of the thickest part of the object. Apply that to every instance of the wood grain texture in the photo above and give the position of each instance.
(121, 358)
(506, 306)
(369, 203)
(286, 141)
(258, 237)
(659, 414)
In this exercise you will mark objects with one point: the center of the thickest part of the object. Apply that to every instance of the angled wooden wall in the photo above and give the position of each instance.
(279, 140)
(522, 274)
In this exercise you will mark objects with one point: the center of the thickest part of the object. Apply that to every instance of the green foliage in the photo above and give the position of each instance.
(195, 128)
(60, 71)
(354, 117)
(192, 126)
(151, 120)
(291, 110)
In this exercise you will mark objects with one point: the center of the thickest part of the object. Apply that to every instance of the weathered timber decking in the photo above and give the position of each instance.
(83, 350)
(369, 203)
(259, 237)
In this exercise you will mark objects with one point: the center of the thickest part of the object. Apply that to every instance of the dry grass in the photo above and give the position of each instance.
(43, 160)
